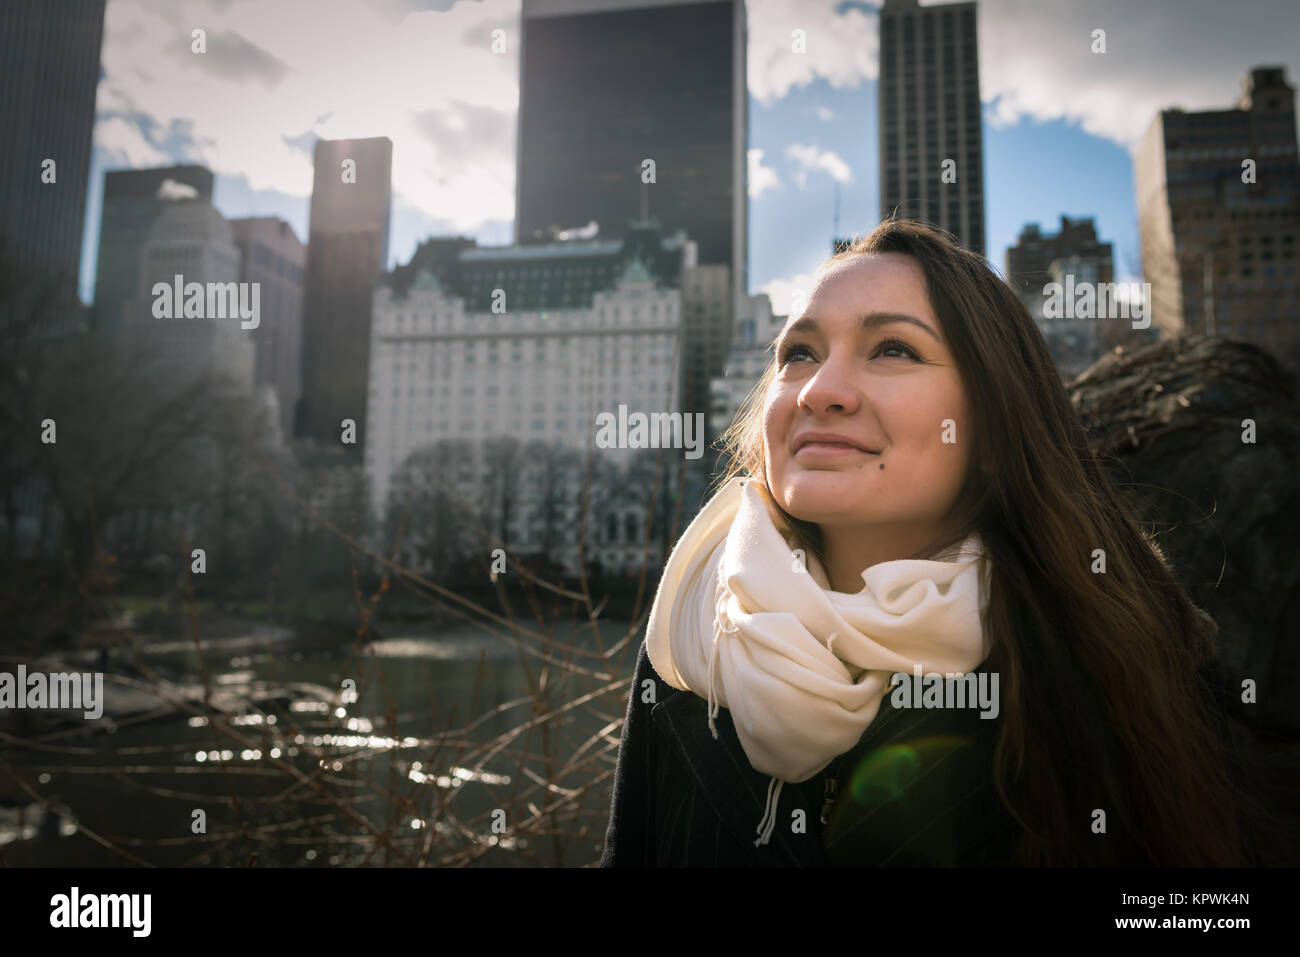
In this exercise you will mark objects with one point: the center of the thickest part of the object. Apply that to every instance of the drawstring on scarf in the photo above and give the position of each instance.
(768, 824)
(722, 625)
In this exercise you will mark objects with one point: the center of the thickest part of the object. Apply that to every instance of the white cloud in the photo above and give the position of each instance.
(428, 80)
(842, 50)
(590, 231)
(813, 158)
(126, 145)
(1036, 59)
(170, 189)
(761, 177)
(824, 113)
(788, 293)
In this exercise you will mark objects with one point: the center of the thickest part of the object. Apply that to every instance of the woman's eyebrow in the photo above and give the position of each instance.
(871, 320)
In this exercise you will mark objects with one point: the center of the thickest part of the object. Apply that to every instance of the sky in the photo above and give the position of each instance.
(1060, 121)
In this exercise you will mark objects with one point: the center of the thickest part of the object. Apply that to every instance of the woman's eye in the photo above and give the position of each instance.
(895, 344)
(792, 350)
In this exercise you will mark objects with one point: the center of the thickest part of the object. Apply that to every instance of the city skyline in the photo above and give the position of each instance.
(1058, 132)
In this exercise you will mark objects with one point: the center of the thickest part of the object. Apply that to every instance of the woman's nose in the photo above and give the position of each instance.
(833, 385)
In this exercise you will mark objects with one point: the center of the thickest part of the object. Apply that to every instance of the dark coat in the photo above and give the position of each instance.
(916, 790)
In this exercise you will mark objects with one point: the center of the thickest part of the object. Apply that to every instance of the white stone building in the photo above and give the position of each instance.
(748, 357)
(514, 351)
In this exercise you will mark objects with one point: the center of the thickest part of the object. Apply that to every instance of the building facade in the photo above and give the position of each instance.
(490, 366)
(272, 256)
(133, 201)
(707, 332)
(931, 135)
(606, 85)
(190, 239)
(49, 72)
(1068, 259)
(1029, 261)
(347, 250)
(1218, 197)
(748, 356)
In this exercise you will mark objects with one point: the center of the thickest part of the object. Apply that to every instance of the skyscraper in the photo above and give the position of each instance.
(606, 85)
(1029, 261)
(190, 239)
(1218, 196)
(133, 201)
(271, 255)
(931, 135)
(1075, 255)
(347, 249)
(49, 71)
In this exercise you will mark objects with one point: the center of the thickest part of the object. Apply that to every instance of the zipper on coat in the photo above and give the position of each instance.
(829, 793)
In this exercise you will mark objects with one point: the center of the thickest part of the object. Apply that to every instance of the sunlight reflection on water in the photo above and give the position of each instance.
(439, 649)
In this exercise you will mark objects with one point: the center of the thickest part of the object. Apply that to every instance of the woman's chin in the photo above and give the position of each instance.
(819, 481)
(822, 497)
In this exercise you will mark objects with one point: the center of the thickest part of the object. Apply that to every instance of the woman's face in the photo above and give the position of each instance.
(889, 385)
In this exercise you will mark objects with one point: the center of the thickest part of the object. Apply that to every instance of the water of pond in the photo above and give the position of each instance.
(376, 762)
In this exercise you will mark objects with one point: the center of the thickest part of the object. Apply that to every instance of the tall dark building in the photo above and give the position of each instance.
(607, 84)
(1218, 195)
(272, 255)
(49, 71)
(929, 113)
(133, 201)
(347, 249)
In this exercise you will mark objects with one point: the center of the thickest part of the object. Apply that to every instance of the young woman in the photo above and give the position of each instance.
(917, 624)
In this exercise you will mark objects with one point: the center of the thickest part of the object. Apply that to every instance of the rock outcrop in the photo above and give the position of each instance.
(1203, 435)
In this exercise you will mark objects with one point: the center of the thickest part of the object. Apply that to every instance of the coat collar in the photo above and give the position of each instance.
(732, 787)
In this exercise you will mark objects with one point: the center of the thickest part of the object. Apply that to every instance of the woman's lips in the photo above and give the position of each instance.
(829, 450)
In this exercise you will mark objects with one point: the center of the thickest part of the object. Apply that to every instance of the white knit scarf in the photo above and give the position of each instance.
(740, 621)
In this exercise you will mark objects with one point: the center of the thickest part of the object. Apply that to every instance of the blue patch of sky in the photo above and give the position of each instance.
(1033, 172)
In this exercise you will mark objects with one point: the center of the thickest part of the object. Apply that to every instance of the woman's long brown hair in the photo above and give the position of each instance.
(1102, 706)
